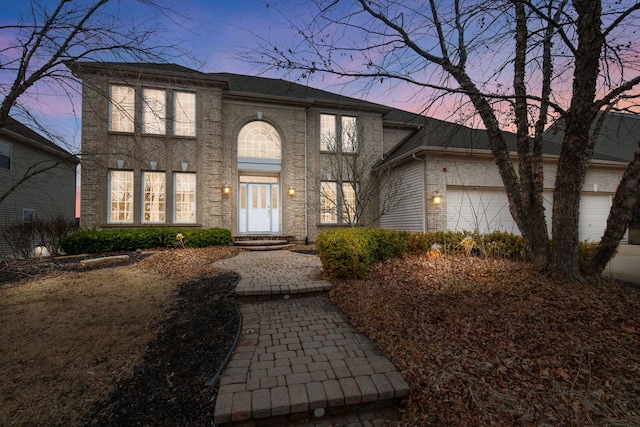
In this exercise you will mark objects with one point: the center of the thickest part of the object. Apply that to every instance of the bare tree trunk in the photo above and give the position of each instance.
(618, 221)
(574, 155)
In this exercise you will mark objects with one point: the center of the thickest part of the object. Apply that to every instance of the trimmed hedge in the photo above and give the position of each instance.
(100, 241)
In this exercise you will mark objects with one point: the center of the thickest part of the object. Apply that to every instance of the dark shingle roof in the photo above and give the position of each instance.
(12, 126)
(618, 137)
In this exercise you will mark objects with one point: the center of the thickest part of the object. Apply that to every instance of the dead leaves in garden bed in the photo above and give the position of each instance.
(492, 342)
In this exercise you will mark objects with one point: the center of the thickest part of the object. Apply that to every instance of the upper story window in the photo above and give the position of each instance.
(121, 108)
(259, 139)
(184, 114)
(154, 111)
(5, 155)
(338, 133)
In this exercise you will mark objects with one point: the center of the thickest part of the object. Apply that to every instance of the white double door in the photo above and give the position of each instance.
(259, 207)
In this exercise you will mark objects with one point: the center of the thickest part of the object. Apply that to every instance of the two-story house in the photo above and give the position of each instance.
(165, 145)
(37, 179)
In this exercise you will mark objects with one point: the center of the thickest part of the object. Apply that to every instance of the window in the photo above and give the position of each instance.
(121, 111)
(349, 135)
(328, 132)
(27, 216)
(121, 196)
(184, 113)
(154, 196)
(331, 203)
(185, 197)
(5, 155)
(154, 110)
(328, 203)
(349, 203)
(335, 138)
(259, 140)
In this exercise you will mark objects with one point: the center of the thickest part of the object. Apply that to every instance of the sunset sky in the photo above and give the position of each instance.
(215, 31)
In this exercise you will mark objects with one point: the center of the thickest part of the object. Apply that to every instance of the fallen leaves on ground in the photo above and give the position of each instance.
(493, 342)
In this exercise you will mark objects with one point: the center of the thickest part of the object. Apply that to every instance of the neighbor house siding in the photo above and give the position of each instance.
(48, 194)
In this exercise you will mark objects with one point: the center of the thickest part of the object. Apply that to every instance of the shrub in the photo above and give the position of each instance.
(389, 243)
(346, 252)
(501, 244)
(100, 241)
(585, 251)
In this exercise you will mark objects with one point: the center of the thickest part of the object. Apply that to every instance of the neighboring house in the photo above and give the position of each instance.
(164, 145)
(51, 191)
(454, 162)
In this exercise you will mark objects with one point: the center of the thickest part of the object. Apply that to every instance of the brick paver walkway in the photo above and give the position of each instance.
(299, 359)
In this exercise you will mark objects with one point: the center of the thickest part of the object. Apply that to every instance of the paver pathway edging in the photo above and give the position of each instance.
(297, 357)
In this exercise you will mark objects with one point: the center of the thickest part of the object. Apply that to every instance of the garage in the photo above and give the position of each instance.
(487, 210)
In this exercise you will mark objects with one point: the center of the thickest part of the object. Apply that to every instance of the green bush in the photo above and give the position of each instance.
(100, 241)
(346, 252)
(389, 243)
(585, 251)
(501, 244)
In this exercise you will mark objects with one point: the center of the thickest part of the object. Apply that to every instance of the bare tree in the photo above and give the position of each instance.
(348, 187)
(519, 64)
(36, 48)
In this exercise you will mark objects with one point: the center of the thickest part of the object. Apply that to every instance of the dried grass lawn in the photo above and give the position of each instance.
(68, 338)
(491, 342)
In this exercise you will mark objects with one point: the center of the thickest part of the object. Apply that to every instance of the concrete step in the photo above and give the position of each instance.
(299, 359)
(262, 245)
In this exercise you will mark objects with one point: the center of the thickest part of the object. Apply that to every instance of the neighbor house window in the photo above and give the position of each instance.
(121, 111)
(328, 203)
(154, 111)
(154, 196)
(121, 196)
(5, 155)
(28, 216)
(338, 133)
(184, 113)
(184, 188)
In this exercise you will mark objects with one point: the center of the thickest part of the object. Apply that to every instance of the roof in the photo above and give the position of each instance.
(434, 133)
(13, 129)
(618, 137)
(238, 85)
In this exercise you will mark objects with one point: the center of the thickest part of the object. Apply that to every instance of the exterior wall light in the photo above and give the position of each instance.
(226, 188)
(437, 197)
(291, 191)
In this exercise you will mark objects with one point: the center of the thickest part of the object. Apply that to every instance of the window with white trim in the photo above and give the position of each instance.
(184, 114)
(153, 184)
(5, 155)
(328, 203)
(154, 111)
(184, 188)
(338, 133)
(120, 196)
(332, 202)
(28, 215)
(121, 108)
(259, 139)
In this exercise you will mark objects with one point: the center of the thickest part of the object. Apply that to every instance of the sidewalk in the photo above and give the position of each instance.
(298, 361)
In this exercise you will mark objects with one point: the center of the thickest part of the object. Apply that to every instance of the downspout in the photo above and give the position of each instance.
(424, 188)
(306, 189)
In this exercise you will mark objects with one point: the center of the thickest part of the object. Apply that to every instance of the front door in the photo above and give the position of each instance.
(259, 207)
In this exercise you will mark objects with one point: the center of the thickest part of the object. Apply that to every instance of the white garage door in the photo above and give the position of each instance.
(594, 211)
(479, 210)
(488, 210)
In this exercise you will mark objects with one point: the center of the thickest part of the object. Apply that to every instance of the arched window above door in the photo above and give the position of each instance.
(259, 140)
